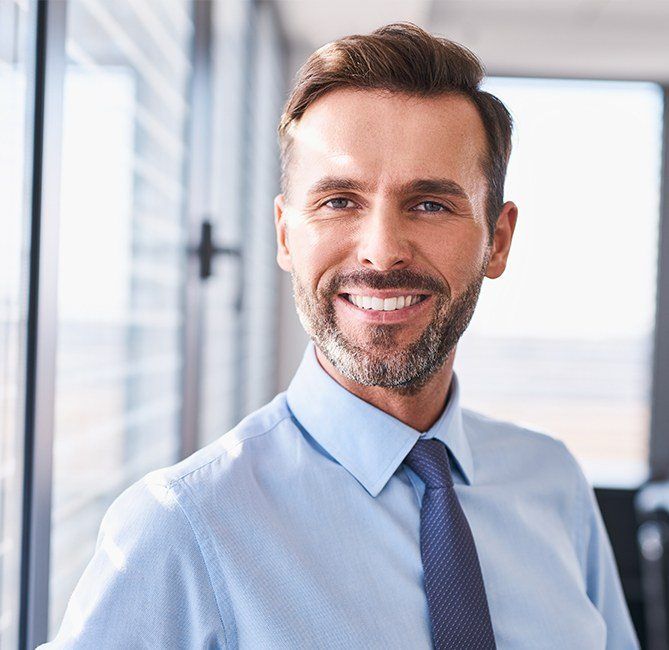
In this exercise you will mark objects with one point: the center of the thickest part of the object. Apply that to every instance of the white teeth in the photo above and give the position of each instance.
(379, 304)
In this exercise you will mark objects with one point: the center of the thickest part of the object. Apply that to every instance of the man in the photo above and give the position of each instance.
(363, 507)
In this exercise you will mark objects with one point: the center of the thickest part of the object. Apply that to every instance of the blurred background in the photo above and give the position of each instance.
(142, 312)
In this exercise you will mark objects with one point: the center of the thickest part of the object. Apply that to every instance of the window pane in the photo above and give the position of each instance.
(563, 340)
(122, 265)
(14, 22)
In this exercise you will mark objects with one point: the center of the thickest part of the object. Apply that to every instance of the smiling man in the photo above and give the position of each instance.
(364, 507)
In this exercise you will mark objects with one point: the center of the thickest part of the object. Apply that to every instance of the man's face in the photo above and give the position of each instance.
(386, 198)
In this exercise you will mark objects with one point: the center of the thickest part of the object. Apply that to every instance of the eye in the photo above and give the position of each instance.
(338, 203)
(432, 206)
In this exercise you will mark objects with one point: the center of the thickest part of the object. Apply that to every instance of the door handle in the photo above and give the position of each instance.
(206, 249)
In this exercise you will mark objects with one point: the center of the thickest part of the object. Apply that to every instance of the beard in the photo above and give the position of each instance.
(384, 362)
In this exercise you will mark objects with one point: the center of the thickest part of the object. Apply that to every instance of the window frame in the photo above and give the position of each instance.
(46, 86)
(658, 434)
(659, 428)
(45, 94)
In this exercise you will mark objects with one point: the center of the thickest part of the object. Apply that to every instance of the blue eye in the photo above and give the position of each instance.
(432, 206)
(336, 204)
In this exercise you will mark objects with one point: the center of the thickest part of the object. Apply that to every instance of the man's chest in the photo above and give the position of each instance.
(347, 574)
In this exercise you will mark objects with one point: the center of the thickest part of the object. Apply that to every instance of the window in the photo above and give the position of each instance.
(15, 20)
(562, 341)
(122, 265)
(118, 183)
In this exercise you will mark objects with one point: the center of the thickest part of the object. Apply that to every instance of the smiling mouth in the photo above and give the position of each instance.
(373, 303)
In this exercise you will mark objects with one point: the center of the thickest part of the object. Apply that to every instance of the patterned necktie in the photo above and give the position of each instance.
(456, 595)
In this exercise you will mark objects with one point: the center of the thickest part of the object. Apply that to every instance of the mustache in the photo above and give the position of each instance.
(403, 278)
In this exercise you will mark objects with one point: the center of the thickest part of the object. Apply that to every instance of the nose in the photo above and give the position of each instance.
(383, 244)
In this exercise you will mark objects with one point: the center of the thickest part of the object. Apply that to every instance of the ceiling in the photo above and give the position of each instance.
(618, 39)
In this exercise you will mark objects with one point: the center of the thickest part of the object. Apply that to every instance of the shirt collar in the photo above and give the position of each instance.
(368, 442)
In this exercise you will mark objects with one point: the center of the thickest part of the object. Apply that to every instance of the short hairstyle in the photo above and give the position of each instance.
(402, 57)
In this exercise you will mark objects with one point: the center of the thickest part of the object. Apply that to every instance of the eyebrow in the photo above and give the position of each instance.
(444, 186)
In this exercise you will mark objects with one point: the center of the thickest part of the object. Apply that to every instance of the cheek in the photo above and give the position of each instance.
(458, 259)
(316, 250)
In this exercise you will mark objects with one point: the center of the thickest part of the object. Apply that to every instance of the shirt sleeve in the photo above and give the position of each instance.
(600, 571)
(147, 585)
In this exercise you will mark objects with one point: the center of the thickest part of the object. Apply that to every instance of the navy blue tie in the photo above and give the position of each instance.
(454, 586)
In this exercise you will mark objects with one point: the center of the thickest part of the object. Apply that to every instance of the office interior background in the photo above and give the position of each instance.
(142, 312)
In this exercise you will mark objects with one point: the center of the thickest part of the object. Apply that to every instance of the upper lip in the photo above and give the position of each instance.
(384, 293)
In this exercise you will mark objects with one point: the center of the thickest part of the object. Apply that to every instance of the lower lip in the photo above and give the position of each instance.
(378, 316)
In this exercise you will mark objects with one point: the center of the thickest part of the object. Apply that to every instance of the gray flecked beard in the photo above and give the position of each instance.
(404, 369)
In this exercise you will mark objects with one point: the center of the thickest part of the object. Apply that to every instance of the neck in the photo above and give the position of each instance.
(419, 411)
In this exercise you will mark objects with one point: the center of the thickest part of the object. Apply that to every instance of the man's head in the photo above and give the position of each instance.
(403, 58)
(393, 165)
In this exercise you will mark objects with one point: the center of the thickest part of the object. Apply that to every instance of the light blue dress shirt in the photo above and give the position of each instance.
(299, 528)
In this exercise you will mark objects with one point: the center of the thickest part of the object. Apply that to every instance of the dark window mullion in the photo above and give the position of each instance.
(42, 316)
(659, 436)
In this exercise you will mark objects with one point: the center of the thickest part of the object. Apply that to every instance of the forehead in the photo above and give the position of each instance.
(389, 137)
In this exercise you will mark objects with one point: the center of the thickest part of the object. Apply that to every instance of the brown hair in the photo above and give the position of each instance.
(402, 57)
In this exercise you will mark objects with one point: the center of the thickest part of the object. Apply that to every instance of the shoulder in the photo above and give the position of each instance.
(268, 431)
(521, 450)
(259, 428)
(531, 467)
(159, 513)
(496, 433)
(149, 577)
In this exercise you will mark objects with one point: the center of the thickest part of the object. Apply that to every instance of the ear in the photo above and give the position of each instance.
(282, 250)
(501, 244)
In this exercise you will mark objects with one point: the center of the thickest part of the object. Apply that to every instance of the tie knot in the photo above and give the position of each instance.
(429, 459)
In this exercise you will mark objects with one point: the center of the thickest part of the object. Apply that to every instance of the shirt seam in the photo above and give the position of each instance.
(226, 633)
(579, 518)
(223, 453)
